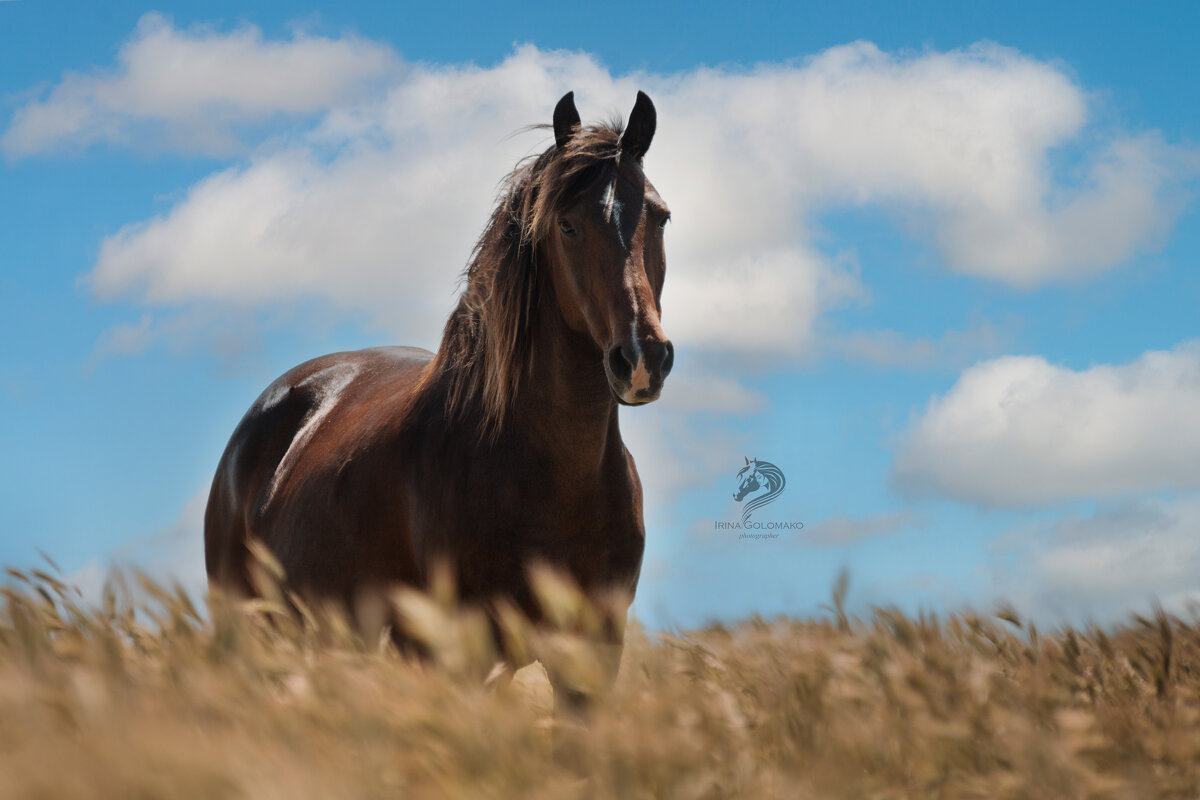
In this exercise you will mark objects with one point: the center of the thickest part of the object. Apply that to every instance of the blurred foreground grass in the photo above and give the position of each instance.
(151, 699)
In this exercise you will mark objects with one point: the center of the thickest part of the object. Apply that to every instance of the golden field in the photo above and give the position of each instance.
(153, 699)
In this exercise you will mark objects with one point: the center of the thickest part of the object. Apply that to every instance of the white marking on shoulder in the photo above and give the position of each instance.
(274, 395)
(330, 383)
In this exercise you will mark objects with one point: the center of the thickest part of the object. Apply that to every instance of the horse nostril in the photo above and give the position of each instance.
(660, 357)
(621, 362)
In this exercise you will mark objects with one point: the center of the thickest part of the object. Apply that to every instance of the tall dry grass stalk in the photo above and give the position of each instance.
(144, 696)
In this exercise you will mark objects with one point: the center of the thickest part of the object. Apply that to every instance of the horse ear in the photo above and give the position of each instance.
(566, 120)
(640, 130)
(747, 460)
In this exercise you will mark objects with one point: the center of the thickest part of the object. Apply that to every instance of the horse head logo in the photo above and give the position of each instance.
(757, 476)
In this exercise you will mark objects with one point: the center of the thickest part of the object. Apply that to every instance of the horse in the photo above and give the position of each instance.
(754, 476)
(364, 471)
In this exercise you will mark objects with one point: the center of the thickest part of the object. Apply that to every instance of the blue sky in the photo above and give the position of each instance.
(936, 262)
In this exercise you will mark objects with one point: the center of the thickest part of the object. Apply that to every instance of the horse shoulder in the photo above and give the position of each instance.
(307, 421)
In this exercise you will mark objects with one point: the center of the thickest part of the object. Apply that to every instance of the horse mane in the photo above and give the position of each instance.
(487, 342)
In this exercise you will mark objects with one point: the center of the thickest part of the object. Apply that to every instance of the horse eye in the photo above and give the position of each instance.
(665, 220)
(567, 228)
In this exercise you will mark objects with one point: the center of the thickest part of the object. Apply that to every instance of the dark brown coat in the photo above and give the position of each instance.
(360, 470)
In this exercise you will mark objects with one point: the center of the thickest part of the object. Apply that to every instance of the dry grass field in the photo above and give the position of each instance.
(151, 699)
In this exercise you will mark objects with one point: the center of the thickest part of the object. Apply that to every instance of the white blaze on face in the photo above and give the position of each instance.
(640, 379)
(329, 385)
(612, 209)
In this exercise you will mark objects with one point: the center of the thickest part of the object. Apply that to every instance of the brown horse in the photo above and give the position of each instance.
(362, 470)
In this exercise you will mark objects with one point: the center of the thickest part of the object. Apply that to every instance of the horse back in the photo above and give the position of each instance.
(278, 476)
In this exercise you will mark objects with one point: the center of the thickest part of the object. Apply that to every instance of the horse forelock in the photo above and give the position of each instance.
(487, 343)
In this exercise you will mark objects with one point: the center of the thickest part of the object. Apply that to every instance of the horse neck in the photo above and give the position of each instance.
(564, 406)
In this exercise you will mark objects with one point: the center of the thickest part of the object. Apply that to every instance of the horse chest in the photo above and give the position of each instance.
(593, 531)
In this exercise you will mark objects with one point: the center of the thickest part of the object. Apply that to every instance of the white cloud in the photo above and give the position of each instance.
(958, 142)
(233, 338)
(189, 89)
(697, 387)
(954, 349)
(379, 209)
(126, 338)
(1102, 567)
(374, 209)
(174, 554)
(674, 453)
(844, 530)
(1018, 431)
(88, 581)
(1129, 203)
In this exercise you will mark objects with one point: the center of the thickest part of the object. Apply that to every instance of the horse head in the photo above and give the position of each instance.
(749, 480)
(604, 249)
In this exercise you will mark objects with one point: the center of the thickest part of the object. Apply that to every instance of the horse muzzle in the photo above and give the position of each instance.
(636, 372)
